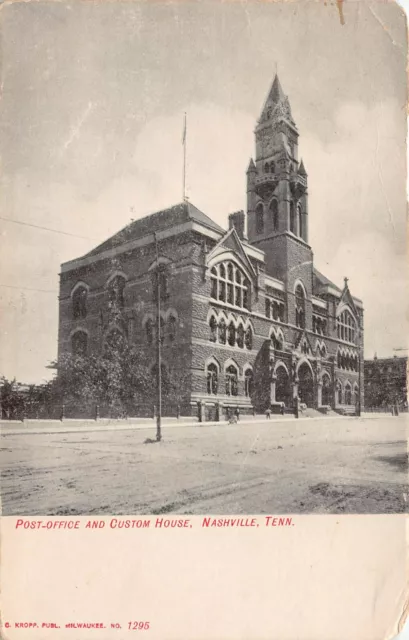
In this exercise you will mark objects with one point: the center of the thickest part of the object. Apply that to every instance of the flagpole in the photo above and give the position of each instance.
(184, 158)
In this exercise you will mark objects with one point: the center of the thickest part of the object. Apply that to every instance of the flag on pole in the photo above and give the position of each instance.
(184, 130)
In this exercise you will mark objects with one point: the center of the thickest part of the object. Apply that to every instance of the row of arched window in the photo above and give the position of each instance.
(231, 380)
(275, 309)
(116, 299)
(270, 167)
(296, 223)
(114, 340)
(346, 326)
(235, 335)
(229, 285)
(346, 394)
(319, 325)
(272, 213)
(347, 360)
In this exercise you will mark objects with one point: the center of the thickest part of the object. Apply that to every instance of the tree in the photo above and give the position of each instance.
(115, 379)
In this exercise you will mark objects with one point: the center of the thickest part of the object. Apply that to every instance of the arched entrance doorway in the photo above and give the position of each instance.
(283, 387)
(306, 385)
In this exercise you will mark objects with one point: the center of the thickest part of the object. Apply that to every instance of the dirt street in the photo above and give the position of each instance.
(327, 465)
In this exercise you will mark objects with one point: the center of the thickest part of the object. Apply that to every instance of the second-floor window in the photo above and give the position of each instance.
(346, 326)
(79, 302)
(229, 285)
(161, 275)
(116, 292)
(299, 307)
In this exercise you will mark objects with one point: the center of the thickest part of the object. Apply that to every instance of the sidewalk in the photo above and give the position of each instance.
(82, 426)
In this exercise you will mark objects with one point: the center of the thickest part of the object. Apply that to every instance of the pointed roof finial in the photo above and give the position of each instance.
(301, 169)
(276, 92)
(346, 282)
(252, 167)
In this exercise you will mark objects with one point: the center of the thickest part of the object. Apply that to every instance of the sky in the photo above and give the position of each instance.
(93, 97)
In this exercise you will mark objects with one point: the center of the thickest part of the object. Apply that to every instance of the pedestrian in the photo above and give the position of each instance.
(282, 408)
(237, 414)
(268, 413)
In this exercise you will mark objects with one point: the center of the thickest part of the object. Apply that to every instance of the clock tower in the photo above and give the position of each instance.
(277, 196)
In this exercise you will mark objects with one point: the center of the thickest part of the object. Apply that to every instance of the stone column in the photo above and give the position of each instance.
(319, 393)
(273, 389)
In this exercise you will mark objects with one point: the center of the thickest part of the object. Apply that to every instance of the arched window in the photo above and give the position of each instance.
(222, 331)
(266, 168)
(348, 393)
(231, 334)
(171, 328)
(230, 285)
(248, 383)
(161, 274)
(240, 337)
(292, 218)
(299, 218)
(248, 338)
(116, 292)
(79, 343)
(212, 378)
(79, 302)
(299, 306)
(339, 392)
(277, 341)
(213, 283)
(274, 214)
(149, 331)
(346, 326)
(231, 381)
(259, 219)
(272, 167)
(268, 308)
(213, 329)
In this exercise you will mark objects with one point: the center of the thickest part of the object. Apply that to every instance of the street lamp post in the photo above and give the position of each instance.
(359, 407)
(159, 350)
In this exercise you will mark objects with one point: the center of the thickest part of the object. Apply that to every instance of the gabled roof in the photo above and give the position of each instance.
(231, 242)
(179, 213)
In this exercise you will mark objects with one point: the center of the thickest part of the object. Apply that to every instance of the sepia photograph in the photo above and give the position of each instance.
(203, 268)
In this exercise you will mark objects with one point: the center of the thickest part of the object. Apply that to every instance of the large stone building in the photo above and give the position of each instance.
(247, 320)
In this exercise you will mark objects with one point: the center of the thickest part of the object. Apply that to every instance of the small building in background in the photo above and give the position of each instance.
(386, 382)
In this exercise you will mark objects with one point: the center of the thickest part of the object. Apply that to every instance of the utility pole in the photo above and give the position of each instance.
(159, 350)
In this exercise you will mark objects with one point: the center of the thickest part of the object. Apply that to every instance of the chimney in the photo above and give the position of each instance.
(236, 220)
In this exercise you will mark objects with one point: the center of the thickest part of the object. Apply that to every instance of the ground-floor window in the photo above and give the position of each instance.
(248, 383)
(212, 379)
(231, 381)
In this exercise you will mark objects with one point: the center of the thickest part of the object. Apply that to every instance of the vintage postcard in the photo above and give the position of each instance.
(203, 298)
